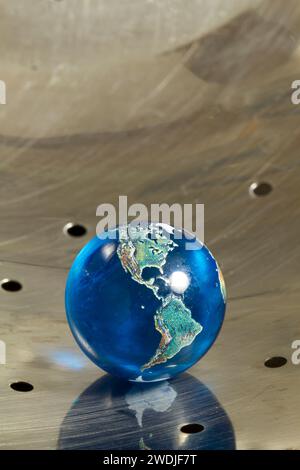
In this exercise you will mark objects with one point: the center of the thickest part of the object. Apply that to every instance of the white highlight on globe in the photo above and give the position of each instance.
(179, 282)
(108, 250)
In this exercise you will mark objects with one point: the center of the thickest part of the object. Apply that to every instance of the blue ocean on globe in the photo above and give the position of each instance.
(145, 302)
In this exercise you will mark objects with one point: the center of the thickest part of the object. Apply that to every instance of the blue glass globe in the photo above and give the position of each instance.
(145, 302)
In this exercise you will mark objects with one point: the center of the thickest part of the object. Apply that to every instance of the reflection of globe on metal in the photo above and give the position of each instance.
(146, 302)
(181, 414)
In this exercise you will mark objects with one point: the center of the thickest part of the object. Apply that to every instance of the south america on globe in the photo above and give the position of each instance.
(143, 305)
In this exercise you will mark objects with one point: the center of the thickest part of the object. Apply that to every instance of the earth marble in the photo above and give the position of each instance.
(142, 304)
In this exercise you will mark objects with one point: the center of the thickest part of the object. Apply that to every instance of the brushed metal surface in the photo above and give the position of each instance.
(164, 102)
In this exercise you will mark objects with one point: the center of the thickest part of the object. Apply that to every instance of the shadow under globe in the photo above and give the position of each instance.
(112, 414)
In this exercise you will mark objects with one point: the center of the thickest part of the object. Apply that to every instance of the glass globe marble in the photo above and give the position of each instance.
(143, 306)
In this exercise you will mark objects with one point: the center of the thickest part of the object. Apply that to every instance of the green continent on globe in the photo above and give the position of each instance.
(138, 250)
(177, 327)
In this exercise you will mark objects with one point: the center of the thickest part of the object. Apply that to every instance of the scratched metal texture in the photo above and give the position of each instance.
(162, 101)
